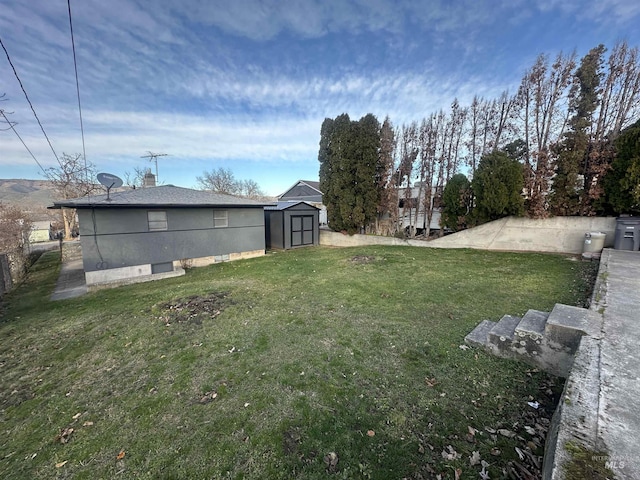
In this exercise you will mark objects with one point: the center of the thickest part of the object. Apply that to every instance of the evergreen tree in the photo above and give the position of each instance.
(573, 167)
(622, 183)
(456, 199)
(349, 165)
(497, 187)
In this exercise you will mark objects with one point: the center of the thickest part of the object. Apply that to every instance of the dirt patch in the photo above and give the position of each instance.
(363, 259)
(291, 440)
(194, 309)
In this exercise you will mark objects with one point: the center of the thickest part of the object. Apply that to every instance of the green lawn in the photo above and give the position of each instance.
(293, 356)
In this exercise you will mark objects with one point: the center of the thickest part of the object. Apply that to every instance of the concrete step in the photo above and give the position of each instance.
(479, 337)
(566, 325)
(532, 325)
(502, 334)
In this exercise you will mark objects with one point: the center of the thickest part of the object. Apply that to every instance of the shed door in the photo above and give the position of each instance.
(301, 230)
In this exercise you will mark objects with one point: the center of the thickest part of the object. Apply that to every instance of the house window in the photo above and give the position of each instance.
(220, 218)
(157, 220)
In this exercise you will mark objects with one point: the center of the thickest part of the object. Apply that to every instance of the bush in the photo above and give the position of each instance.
(497, 187)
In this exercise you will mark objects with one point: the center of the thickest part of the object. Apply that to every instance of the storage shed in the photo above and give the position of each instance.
(291, 224)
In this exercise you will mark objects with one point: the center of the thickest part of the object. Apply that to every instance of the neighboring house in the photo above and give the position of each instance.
(306, 191)
(155, 230)
(291, 224)
(40, 232)
(407, 209)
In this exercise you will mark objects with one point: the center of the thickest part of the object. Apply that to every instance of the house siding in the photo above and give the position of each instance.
(122, 237)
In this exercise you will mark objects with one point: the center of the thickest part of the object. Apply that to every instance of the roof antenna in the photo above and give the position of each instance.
(153, 157)
(109, 181)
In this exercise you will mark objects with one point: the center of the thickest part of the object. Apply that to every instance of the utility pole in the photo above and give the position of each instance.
(153, 157)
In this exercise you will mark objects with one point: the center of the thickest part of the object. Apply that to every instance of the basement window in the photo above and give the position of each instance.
(157, 220)
(220, 218)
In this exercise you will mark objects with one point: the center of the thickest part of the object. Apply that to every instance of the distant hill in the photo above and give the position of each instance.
(33, 196)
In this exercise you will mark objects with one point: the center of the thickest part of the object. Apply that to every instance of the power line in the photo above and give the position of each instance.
(12, 126)
(75, 64)
(29, 101)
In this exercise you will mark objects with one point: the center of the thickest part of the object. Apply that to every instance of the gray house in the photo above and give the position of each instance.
(291, 224)
(155, 230)
(306, 191)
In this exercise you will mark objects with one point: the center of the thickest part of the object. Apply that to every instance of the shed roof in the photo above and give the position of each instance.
(285, 205)
(161, 196)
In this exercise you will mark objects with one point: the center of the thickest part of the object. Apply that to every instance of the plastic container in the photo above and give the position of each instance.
(627, 233)
(594, 242)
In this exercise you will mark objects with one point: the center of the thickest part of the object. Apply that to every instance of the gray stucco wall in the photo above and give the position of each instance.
(122, 237)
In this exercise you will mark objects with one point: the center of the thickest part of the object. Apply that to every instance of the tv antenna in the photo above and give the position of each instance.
(153, 157)
(109, 181)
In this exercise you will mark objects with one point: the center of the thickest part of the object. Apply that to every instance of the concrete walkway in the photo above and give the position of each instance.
(619, 402)
(71, 282)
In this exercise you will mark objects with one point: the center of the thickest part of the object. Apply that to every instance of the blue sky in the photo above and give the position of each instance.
(246, 84)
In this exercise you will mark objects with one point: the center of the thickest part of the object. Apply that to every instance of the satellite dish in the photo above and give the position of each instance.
(109, 180)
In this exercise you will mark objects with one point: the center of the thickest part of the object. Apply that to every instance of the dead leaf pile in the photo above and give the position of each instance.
(194, 308)
(331, 461)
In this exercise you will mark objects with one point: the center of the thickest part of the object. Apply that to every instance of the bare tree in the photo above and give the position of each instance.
(15, 229)
(136, 179)
(222, 180)
(540, 98)
(73, 178)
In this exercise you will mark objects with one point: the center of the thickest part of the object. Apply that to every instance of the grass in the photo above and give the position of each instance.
(303, 353)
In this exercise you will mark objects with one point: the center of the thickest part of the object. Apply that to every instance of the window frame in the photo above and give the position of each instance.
(221, 221)
(157, 225)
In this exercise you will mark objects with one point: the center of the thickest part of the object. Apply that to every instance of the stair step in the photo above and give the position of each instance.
(532, 324)
(503, 331)
(479, 336)
(567, 324)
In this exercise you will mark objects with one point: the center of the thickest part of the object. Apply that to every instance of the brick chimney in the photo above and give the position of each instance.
(149, 180)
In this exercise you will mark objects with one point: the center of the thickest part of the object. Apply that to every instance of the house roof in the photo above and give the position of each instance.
(310, 183)
(161, 196)
(285, 205)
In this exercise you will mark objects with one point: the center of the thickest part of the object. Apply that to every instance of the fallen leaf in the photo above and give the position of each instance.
(463, 347)
(449, 453)
(87, 424)
(331, 460)
(495, 451)
(76, 416)
(474, 459)
(506, 433)
(61, 464)
(530, 430)
(420, 449)
(431, 382)
(472, 431)
(371, 433)
(120, 455)
(64, 436)
(457, 473)
(246, 404)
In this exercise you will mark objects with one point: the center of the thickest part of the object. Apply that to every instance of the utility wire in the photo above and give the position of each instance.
(11, 125)
(75, 64)
(29, 101)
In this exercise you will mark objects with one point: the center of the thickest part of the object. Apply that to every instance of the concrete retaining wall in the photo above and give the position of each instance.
(557, 235)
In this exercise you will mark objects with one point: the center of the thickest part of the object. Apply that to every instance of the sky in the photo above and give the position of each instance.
(246, 84)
